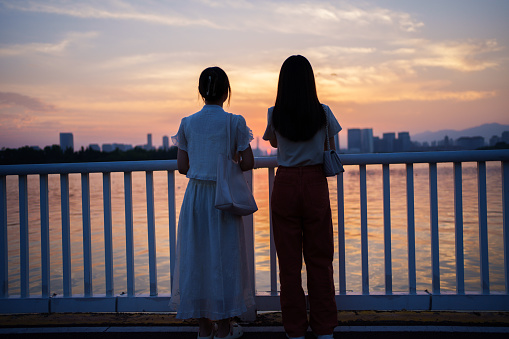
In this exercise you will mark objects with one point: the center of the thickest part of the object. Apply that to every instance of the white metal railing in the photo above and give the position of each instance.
(109, 301)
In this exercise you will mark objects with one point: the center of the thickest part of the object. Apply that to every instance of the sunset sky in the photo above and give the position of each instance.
(114, 71)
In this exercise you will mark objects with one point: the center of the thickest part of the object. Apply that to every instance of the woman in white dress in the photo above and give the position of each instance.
(211, 280)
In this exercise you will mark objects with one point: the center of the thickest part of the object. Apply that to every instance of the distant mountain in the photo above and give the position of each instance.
(486, 131)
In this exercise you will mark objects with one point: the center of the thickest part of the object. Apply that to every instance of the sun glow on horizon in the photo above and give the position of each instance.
(117, 70)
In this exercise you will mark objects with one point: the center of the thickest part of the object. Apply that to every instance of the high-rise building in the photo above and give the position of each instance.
(367, 140)
(404, 142)
(388, 142)
(66, 141)
(95, 147)
(122, 147)
(166, 143)
(470, 142)
(360, 140)
(378, 145)
(149, 141)
(354, 140)
(107, 148)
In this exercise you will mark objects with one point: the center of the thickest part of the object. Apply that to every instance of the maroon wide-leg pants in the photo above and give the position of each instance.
(302, 224)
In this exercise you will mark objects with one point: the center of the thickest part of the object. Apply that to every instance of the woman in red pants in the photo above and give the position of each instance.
(301, 213)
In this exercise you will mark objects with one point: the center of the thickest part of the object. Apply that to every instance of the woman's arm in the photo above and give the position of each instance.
(182, 161)
(246, 159)
(273, 142)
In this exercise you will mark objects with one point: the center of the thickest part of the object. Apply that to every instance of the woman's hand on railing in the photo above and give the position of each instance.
(246, 159)
(182, 161)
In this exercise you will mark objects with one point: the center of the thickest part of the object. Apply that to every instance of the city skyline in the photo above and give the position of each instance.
(360, 140)
(113, 70)
(364, 141)
(255, 143)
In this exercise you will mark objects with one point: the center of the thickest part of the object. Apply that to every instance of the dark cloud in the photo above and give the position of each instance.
(33, 104)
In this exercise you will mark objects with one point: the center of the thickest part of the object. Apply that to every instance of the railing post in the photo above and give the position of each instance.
(458, 222)
(412, 288)
(341, 233)
(364, 229)
(87, 234)
(4, 249)
(129, 236)
(435, 247)
(505, 216)
(151, 233)
(66, 234)
(45, 247)
(23, 237)
(273, 258)
(108, 235)
(387, 228)
(172, 227)
(248, 229)
(483, 227)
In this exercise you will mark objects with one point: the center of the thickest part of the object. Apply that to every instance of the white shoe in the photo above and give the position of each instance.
(236, 331)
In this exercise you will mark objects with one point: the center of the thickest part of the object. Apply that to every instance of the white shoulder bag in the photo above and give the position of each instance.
(232, 191)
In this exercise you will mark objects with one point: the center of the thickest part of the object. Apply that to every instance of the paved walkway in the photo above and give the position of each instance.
(365, 324)
(361, 333)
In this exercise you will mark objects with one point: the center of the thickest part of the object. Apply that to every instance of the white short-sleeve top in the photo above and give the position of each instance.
(203, 136)
(301, 153)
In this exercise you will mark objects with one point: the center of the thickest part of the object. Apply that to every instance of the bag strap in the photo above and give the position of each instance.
(326, 128)
(228, 132)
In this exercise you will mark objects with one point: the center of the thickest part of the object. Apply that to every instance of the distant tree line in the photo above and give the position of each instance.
(498, 145)
(54, 154)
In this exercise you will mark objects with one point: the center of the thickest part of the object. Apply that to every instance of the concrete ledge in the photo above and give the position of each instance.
(143, 303)
(62, 305)
(374, 301)
(264, 301)
(27, 305)
(482, 302)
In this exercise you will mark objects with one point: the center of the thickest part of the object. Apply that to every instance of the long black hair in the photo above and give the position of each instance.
(297, 114)
(213, 84)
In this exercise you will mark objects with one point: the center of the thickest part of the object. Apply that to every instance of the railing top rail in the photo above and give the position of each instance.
(260, 162)
(90, 167)
(424, 157)
(407, 157)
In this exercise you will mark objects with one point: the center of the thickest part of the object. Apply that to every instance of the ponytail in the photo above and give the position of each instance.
(213, 84)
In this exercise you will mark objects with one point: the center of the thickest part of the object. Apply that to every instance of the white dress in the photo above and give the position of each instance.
(211, 278)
